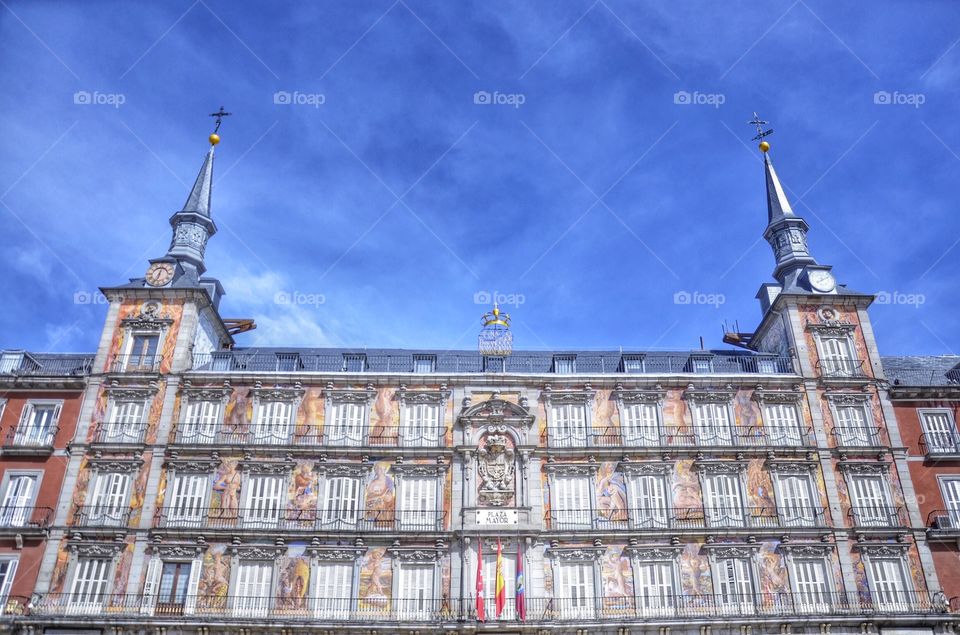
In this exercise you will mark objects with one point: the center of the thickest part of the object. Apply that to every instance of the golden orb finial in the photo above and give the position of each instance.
(764, 146)
(214, 139)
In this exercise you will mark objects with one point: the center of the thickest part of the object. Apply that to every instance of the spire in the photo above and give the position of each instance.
(199, 199)
(777, 204)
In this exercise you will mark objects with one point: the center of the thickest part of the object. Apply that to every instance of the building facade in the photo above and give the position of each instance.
(40, 401)
(212, 488)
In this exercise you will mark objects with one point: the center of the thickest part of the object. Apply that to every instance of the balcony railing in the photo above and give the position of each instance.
(136, 364)
(101, 516)
(944, 522)
(473, 362)
(841, 368)
(276, 519)
(39, 365)
(939, 445)
(112, 432)
(684, 518)
(385, 436)
(858, 437)
(876, 516)
(23, 517)
(538, 610)
(678, 436)
(28, 436)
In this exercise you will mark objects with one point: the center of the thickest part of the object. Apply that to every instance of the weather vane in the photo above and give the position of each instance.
(761, 133)
(220, 114)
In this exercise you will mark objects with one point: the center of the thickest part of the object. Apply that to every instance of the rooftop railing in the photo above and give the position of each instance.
(27, 365)
(278, 519)
(684, 518)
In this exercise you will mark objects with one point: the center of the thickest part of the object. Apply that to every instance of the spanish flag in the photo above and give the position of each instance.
(501, 584)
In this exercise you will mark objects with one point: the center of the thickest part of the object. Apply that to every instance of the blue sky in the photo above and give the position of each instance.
(378, 202)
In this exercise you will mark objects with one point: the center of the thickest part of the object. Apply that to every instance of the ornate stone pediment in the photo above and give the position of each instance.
(121, 465)
(194, 466)
(647, 467)
(206, 393)
(418, 469)
(277, 393)
(417, 554)
(266, 467)
(790, 467)
(864, 467)
(762, 396)
(719, 466)
(654, 395)
(646, 553)
(496, 467)
(806, 550)
(422, 395)
(180, 551)
(847, 398)
(119, 392)
(96, 549)
(553, 397)
(883, 550)
(343, 469)
(361, 396)
(332, 553)
(573, 554)
(709, 395)
(258, 552)
(570, 469)
(497, 412)
(723, 551)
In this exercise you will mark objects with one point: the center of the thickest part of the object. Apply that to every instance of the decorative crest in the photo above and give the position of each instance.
(495, 336)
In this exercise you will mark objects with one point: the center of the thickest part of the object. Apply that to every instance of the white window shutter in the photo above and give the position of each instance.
(190, 603)
(149, 601)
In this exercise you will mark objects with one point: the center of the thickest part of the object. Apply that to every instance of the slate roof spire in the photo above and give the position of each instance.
(193, 225)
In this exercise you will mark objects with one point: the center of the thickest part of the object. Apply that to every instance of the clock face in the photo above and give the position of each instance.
(159, 274)
(821, 280)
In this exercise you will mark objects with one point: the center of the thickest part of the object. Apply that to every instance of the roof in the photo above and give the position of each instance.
(23, 363)
(922, 370)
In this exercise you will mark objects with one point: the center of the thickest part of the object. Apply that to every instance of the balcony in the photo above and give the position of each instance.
(140, 364)
(658, 608)
(460, 362)
(943, 523)
(115, 433)
(858, 437)
(30, 440)
(679, 437)
(684, 518)
(877, 517)
(23, 364)
(96, 516)
(24, 520)
(841, 369)
(294, 520)
(941, 445)
(302, 436)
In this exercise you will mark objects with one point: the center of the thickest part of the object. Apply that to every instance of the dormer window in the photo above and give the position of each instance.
(10, 362)
(493, 364)
(632, 363)
(565, 364)
(289, 362)
(354, 362)
(424, 363)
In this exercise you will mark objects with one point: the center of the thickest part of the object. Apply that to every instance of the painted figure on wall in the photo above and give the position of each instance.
(606, 420)
(773, 570)
(140, 488)
(59, 576)
(759, 485)
(293, 582)
(226, 490)
(215, 574)
(611, 493)
(122, 574)
(376, 579)
(384, 417)
(380, 499)
(747, 414)
(80, 490)
(302, 492)
(617, 576)
(686, 487)
(310, 415)
(695, 571)
(238, 411)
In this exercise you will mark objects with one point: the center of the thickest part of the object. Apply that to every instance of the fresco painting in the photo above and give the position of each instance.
(376, 580)
(215, 574)
(59, 577)
(695, 571)
(140, 488)
(385, 417)
(686, 486)
(153, 414)
(606, 416)
(759, 485)
(611, 493)
(302, 492)
(293, 580)
(171, 309)
(79, 490)
(616, 573)
(122, 573)
(772, 568)
(746, 414)
(809, 314)
(674, 410)
(238, 412)
(380, 498)
(916, 569)
(860, 575)
(310, 415)
(225, 499)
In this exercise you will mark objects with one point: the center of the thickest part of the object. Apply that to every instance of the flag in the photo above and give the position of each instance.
(481, 610)
(521, 598)
(501, 584)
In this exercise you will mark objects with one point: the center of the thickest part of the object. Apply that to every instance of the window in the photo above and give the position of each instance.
(574, 589)
(571, 502)
(10, 362)
(424, 363)
(655, 588)
(852, 428)
(941, 432)
(712, 424)
(143, 352)
(88, 591)
(254, 581)
(509, 585)
(273, 421)
(188, 500)
(221, 361)
(201, 421)
(701, 365)
(493, 364)
(889, 585)
(341, 507)
(262, 502)
(346, 426)
(648, 501)
(18, 499)
(334, 590)
(416, 592)
(37, 425)
(108, 502)
(810, 585)
(735, 586)
(568, 425)
(640, 424)
(421, 425)
(632, 363)
(796, 501)
(124, 424)
(871, 507)
(837, 359)
(8, 569)
(782, 424)
(950, 489)
(564, 364)
(723, 500)
(354, 363)
(418, 503)
(174, 584)
(289, 362)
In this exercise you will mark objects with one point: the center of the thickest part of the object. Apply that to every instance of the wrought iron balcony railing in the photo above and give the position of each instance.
(49, 365)
(678, 437)
(876, 516)
(15, 517)
(858, 436)
(136, 364)
(841, 368)
(940, 445)
(35, 437)
(101, 516)
(684, 518)
(112, 432)
(188, 433)
(536, 610)
(944, 522)
(278, 519)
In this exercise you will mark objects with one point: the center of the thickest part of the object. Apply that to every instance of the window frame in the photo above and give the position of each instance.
(953, 432)
(27, 417)
(718, 436)
(805, 472)
(27, 513)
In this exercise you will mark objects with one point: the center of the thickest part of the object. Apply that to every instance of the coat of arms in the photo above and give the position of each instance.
(496, 468)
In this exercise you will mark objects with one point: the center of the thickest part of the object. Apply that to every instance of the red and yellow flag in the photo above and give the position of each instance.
(481, 608)
(501, 584)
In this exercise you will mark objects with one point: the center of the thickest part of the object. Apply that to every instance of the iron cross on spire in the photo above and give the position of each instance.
(219, 115)
(759, 123)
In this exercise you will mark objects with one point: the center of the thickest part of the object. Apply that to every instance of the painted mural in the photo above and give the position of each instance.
(611, 493)
(140, 489)
(59, 577)
(302, 496)
(759, 485)
(606, 415)
(746, 414)
(122, 573)
(310, 415)
(695, 571)
(214, 583)
(293, 580)
(225, 499)
(385, 417)
(238, 412)
(686, 486)
(79, 490)
(772, 569)
(617, 575)
(376, 580)
(170, 309)
(380, 498)
(808, 314)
